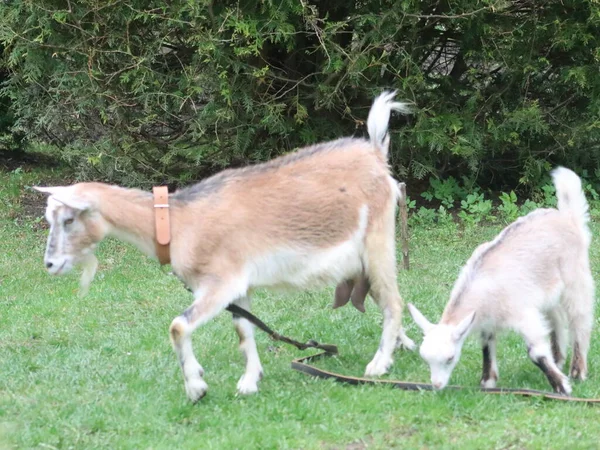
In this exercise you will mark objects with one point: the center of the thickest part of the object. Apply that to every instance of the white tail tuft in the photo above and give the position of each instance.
(379, 116)
(569, 193)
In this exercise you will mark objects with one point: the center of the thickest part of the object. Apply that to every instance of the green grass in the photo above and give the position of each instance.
(99, 372)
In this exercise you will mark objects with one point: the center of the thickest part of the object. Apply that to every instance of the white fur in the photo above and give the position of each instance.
(531, 275)
(310, 267)
(58, 260)
(248, 383)
(193, 372)
(571, 198)
(379, 117)
(90, 265)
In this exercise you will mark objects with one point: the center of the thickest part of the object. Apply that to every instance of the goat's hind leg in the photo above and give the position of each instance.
(393, 334)
(558, 336)
(579, 305)
(382, 277)
(391, 309)
(248, 383)
(535, 330)
(209, 302)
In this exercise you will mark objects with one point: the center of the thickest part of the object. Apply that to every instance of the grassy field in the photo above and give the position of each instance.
(99, 372)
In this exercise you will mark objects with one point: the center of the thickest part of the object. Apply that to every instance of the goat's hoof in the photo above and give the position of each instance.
(379, 366)
(578, 374)
(248, 384)
(490, 383)
(196, 389)
(564, 388)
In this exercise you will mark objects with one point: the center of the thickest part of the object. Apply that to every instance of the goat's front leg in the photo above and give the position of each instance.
(489, 375)
(208, 303)
(248, 383)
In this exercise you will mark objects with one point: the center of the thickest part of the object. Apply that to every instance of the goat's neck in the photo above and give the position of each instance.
(456, 311)
(129, 214)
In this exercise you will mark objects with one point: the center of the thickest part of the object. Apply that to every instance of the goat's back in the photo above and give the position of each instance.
(312, 199)
(536, 245)
(527, 265)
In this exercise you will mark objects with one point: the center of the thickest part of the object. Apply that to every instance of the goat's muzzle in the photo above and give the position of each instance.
(57, 266)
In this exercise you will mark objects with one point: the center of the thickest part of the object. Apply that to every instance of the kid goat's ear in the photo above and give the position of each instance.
(462, 329)
(419, 318)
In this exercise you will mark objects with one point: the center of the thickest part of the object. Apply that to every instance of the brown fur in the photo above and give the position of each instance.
(129, 209)
(554, 376)
(578, 363)
(556, 350)
(240, 334)
(297, 203)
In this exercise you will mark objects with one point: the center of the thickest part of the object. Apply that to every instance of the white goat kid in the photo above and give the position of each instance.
(533, 278)
(321, 215)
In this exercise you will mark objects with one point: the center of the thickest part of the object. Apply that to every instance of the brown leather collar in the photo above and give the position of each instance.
(162, 223)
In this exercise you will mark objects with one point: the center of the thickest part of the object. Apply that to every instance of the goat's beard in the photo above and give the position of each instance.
(89, 265)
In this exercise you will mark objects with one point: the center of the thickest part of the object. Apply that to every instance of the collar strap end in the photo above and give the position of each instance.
(161, 215)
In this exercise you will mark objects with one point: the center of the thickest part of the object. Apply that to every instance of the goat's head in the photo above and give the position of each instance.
(75, 230)
(442, 344)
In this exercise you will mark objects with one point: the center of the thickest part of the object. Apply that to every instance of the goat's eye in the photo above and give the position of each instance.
(449, 360)
(68, 222)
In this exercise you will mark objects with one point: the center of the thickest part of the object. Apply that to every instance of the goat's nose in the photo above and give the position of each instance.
(437, 385)
(48, 265)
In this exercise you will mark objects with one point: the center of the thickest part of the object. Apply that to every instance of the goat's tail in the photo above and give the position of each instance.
(569, 193)
(379, 116)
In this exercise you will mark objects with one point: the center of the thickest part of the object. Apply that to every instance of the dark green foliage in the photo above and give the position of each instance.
(143, 91)
(10, 139)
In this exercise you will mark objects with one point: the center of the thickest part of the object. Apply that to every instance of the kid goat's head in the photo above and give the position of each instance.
(442, 344)
(73, 235)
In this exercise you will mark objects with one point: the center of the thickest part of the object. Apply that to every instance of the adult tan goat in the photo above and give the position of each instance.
(321, 215)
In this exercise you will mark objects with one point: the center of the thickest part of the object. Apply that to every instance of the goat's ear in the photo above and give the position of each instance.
(464, 327)
(52, 190)
(73, 202)
(419, 318)
(66, 196)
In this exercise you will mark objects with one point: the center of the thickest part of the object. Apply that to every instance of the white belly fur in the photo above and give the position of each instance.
(300, 268)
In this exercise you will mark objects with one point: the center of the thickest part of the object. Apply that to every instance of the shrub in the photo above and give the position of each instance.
(145, 91)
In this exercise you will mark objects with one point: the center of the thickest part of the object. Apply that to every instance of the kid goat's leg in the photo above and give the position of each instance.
(579, 303)
(535, 330)
(248, 383)
(559, 336)
(209, 302)
(489, 376)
